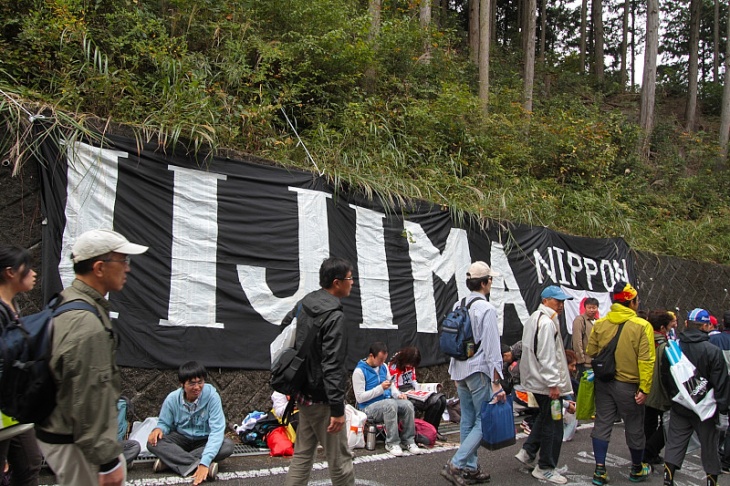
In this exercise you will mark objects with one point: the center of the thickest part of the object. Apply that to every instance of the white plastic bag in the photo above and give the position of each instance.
(280, 402)
(141, 431)
(285, 339)
(695, 392)
(355, 422)
(570, 424)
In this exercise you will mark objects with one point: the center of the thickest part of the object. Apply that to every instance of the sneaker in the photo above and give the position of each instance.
(725, 470)
(394, 450)
(475, 476)
(525, 428)
(453, 475)
(640, 473)
(600, 476)
(440, 437)
(549, 475)
(414, 449)
(159, 466)
(212, 471)
(524, 457)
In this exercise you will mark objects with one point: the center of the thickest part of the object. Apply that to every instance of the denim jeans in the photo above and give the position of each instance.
(473, 391)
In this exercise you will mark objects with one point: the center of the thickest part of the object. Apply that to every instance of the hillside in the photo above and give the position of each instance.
(305, 84)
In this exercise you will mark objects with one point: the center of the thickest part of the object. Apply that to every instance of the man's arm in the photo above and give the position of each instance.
(333, 362)
(647, 356)
(546, 352)
(579, 331)
(358, 386)
(217, 424)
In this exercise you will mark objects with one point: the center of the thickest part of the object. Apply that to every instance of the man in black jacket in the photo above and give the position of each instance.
(710, 364)
(322, 401)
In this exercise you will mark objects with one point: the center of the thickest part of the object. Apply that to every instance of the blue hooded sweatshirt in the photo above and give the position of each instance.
(197, 420)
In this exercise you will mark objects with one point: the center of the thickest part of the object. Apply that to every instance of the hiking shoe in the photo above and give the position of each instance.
(212, 471)
(524, 457)
(477, 476)
(549, 474)
(600, 476)
(394, 450)
(159, 466)
(640, 472)
(453, 474)
(414, 449)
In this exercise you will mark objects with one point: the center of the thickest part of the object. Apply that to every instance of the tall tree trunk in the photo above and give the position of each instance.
(598, 38)
(725, 116)
(493, 23)
(648, 84)
(716, 44)
(484, 36)
(543, 29)
(633, 43)
(474, 30)
(625, 46)
(374, 7)
(531, 14)
(424, 16)
(583, 24)
(694, 42)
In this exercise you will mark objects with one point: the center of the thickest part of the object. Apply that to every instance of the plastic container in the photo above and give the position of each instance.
(556, 409)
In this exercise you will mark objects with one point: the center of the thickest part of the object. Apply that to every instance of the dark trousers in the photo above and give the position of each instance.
(24, 458)
(432, 409)
(654, 432)
(682, 423)
(546, 436)
(182, 454)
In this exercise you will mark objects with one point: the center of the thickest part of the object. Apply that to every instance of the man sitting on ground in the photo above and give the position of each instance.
(382, 402)
(190, 433)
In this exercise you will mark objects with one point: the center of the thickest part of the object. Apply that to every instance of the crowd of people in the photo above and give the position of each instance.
(79, 440)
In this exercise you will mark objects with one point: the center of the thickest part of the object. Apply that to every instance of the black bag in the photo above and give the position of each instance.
(288, 372)
(27, 389)
(604, 364)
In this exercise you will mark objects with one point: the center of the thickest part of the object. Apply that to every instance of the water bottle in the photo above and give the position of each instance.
(556, 409)
(370, 438)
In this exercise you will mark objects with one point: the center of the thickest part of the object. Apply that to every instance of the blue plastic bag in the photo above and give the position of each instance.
(498, 424)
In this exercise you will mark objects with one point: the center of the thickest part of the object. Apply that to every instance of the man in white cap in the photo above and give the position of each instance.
(477, 378)
(79, 438)
(544, 373)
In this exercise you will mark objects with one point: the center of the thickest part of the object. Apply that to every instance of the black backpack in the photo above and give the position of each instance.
(604, 364)
(27, 389)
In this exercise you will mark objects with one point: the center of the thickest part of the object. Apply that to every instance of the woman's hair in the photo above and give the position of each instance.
(409, 356)
(660, 317)
(14, 257)
(570, 356)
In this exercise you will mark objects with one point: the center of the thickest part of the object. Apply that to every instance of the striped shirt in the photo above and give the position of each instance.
(488, 357)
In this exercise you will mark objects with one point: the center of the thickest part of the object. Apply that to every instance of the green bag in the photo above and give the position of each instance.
(585, 406)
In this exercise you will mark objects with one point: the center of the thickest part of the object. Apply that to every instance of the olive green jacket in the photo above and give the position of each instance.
(83, 364)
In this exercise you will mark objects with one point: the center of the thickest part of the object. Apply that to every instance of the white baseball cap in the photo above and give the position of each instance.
(480, 270)
(98, 242)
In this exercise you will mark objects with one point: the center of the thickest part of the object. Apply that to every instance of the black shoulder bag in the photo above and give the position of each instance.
(604, 364)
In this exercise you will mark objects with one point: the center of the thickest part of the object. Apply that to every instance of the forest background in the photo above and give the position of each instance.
(526, 111)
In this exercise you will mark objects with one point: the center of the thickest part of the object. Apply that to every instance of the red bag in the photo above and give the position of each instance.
(425, 433)
(279, 443)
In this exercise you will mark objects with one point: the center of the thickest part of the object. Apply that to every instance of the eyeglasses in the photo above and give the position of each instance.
(195, 383)
(127, 260)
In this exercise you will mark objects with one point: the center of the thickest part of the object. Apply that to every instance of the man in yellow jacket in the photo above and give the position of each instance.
(624, 395)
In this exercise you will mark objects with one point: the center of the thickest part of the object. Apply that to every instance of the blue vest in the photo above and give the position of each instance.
(372, 380)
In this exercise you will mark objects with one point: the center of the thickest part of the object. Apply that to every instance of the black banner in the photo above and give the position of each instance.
(234, 244)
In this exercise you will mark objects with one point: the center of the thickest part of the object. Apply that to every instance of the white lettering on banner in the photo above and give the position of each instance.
(372, 270)
(91, 193)
(500, 296)
(427, 260)
(610, 271)
(314, 248)
(194, 249)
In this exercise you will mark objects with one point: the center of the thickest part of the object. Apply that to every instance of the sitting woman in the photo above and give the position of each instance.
(402, 368)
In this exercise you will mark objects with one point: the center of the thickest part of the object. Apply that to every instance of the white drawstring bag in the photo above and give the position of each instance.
(355, 423)
(695, 392)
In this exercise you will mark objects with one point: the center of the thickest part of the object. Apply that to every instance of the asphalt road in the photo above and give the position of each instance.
(379, 468)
